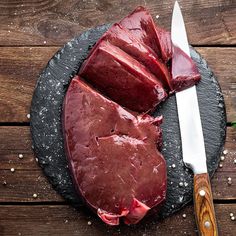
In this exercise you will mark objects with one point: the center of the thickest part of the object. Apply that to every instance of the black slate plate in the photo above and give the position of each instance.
(46, 127)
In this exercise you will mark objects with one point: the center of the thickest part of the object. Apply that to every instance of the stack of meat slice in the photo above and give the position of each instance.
(135, 64)
(114, 154)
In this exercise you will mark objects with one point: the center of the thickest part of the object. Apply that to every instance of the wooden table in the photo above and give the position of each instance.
(30, 33)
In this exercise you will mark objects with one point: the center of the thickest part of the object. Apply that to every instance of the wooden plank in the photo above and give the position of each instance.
(20, 67)
(47, 22)
(20, 186)
(29, 179)
(63, 220)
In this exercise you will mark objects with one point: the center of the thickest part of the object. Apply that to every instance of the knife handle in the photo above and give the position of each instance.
(204, 208)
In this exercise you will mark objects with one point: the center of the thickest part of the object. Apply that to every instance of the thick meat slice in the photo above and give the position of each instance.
(122, 38)
(113, 156)
(122, 78)
(184, 71)
(142, 26)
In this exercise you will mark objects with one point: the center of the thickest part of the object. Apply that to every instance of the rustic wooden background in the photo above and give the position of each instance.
(31, 31)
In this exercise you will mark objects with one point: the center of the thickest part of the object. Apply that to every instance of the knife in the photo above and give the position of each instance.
(193, 148)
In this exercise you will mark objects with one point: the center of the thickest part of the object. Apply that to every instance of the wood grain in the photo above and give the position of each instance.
(53, 22)
(20, 67)
(28, 177)
(204, 207)
(63, 220)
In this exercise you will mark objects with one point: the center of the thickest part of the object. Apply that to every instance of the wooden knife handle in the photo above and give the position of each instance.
(204, 208)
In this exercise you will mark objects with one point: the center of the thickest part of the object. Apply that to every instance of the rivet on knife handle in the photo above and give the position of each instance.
(204, 208)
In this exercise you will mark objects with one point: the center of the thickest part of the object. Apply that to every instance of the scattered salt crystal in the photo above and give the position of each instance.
(231, 214)
(157, 16)
(222, 158)
(181, 184)
(89, 222)
(225, 152)
(66, 221)
(220, 165)
(28, 116)
(44, 42)
(35, 195)
(234, 161)
(229, 180)
(20, 156)
(184, 215)
(173, 165)
(4, 182)
(232, 218)
(12, 170)
(185, 184)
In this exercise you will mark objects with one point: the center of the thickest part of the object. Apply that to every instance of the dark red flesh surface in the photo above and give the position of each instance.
(142, 26)
(184, 71)
(113, 155)
(124, 39)
(122, 78)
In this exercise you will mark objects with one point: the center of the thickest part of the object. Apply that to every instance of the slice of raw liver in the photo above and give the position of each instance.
(113, 156)
(142, 26)
(125, 40)
(122, 78)
(184, 70)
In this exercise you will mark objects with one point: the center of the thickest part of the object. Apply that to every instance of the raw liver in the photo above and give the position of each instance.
(122, 78)
(183, 76)
(135, 64)
(113, 156)
(124, 39)
(142, 26)
(45, 122)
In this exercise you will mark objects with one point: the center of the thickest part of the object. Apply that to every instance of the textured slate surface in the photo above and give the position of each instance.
(46, 127)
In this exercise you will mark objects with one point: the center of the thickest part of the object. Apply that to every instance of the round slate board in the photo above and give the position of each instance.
(46, 128)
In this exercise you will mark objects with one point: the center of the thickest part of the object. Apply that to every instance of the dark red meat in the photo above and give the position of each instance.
(113, 155)
(184, 71)
(142, 26)
(124, 39)
(122, 78)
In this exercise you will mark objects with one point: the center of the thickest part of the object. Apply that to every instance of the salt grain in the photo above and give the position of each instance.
(222, 158)
(35, 195)
(89, 222)
(12, 170)
(185, 184)
(181, 184)
(20, 156)
(220, 165)
(157, 16)
(229, 181)
(4, 183)
(232, 218)
(44, 42)
(173, 166)
(231, 214)
(225, 152)
(184, 215)
(28, 116)
(234, 161)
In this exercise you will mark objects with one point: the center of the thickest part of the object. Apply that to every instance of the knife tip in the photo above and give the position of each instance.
(176, 4)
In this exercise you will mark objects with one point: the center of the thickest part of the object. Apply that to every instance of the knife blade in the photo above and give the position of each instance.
(192, 140)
